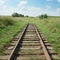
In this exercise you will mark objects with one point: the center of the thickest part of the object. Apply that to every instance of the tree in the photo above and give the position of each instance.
(15, 15)
(20, 15)
(27, 16)
(43, 16)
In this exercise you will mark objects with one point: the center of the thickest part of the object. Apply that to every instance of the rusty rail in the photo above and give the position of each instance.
(44, 48)
(17, 44)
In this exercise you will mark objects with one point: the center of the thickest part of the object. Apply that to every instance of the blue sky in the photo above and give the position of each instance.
(30, 7)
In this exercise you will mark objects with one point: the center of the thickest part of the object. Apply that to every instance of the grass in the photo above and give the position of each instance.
(8, 31)
(51, 30)
(49, 27)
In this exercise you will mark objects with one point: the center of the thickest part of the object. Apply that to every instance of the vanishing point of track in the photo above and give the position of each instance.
(29, 44)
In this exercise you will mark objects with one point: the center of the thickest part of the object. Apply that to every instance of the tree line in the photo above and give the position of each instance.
(18, 15)
(21, 15)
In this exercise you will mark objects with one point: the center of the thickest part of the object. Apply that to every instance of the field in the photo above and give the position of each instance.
(50, 27)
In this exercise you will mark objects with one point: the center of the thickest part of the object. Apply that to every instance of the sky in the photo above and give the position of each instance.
(30, 7)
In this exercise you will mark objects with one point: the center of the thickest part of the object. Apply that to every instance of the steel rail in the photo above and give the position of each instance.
(12, 55)
(44, 47)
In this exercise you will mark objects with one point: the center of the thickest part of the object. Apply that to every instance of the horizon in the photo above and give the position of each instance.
(30, 7)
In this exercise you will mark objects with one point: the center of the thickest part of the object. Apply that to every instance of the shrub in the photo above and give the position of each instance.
(27, 16)
(20, 15)
(17, 15)
(6, 22)
(43, 16)
(1, 23)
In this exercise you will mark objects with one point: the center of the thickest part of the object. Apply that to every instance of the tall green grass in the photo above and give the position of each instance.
(50, 27)
(8, 28)
(6, 22)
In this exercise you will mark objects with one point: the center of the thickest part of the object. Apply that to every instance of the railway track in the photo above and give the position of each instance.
(29, 45)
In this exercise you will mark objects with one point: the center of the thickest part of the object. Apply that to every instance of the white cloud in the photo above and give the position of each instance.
(20, 8)
(26, 10)
(6, 10)
(48, 6)
(2, 2)
(33, 11)
(58, 10)
(22, 3)
(55, 12)
(58, 0)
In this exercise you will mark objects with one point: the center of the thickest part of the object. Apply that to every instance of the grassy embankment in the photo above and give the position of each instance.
(8, 28)
(50, 28)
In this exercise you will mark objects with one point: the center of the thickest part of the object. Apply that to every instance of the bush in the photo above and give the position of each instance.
(27, 16)
(43, 16)
(17, 15)
(20, 15)
(6, 22)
